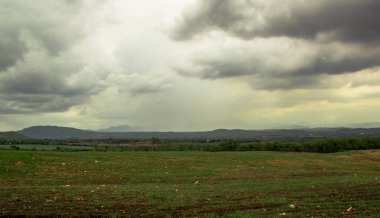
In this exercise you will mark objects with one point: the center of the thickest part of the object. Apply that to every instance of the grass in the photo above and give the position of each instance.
(189, 184)
(34, 147)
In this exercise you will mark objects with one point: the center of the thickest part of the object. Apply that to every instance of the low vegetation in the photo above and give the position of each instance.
(325, 145)
(213, 178)
(190, 184)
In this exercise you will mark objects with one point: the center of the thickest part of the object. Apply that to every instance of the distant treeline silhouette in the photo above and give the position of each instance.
(320, 146)
(326, 145)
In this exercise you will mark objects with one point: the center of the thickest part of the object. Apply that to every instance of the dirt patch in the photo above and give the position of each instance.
(315, 174)
(197, 168)
(365, 157)
(241, 173)
(286, 163)
(319, 163)
(205, 209)
(44, 170)
(3, 182)
(190, 159)
(225, 210)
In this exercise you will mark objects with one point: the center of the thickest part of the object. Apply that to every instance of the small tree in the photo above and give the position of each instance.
(229, 145)
(14, 147)
(155, 140)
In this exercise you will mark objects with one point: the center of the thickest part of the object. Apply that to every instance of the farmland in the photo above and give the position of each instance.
(190, 184)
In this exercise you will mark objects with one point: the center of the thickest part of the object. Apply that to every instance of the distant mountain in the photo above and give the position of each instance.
(365, 125)
(120, 128)
(295, 127)
(11, 135)
(55, 132)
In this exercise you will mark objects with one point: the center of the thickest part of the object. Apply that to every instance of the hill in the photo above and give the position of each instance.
(55, 132)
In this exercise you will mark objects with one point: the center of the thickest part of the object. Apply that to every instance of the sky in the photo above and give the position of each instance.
(188, 65)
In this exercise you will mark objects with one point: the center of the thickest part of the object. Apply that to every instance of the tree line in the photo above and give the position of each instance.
(325, 145)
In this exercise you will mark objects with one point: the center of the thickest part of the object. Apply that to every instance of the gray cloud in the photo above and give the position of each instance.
(10, 52)
(205, 15)
(54, 31)
(343, 20)
(281, 63)
(37, 103)
(41, 83)
(140, 84)
(40, 71)
(284, 45)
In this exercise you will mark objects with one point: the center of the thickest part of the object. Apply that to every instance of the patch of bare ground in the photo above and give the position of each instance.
(51, 170)
(209, 209)
(238, 171)
(128, 210)
(286, 163)
(233, 208)
(232, 174)
(320, 164)
(53, 204)
(134, 210)
(365, 157)
(190, 159)
(3, 182)
(315, 174)
(60, 169)
(364, 191)
(238, 174)
(197, 168)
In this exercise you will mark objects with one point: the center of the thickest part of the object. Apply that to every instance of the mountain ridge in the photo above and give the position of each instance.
(57, 132)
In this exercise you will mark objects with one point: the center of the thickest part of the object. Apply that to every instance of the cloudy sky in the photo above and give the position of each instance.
(189, 64)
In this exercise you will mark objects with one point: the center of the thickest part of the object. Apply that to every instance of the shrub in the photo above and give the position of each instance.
(155, 140)
(229, 145)
(14, 147)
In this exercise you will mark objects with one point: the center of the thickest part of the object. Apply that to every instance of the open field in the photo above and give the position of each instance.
(46, 147)
(190, 184)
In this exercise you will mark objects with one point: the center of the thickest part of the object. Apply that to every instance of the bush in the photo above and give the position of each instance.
(155, 140)
(14, 147)
(100, 148)
(229, 145)
(244, 147)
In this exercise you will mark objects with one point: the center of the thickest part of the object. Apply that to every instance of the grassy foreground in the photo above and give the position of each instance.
(189, 184)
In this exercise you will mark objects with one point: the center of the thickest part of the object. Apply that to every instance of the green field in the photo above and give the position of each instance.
(189, 184)
(47, 147)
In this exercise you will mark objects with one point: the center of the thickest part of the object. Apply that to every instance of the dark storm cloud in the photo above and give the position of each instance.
(35, 90)
(329, 37)
(36, 103)
(40, 83)
(219, 68)
(284, 83)
(50, 24)
(343, 20)
(212, 13)
(10, 51)
(280, 59)
(38, 71)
